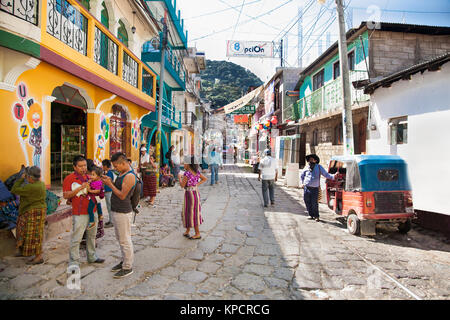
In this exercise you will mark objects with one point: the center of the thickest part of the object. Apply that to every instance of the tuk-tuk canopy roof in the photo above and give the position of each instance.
(363, 173)
(363, 159)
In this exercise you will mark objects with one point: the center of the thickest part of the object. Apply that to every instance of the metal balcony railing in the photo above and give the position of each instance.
(25, 10)
(70, 23)
(188, 118)
(169, 111)
(326, 98)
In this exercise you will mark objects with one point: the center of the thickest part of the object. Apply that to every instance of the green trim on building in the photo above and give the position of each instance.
(105, 16)
(122, 33)
(17, 43)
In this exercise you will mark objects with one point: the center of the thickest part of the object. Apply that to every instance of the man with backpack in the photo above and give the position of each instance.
(124, 200)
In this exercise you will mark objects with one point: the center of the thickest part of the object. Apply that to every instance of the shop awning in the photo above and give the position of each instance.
(243, 101)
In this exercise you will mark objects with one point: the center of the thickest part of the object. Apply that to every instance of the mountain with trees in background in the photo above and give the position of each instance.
(224, 82)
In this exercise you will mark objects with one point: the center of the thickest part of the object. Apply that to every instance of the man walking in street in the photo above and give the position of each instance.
(268, 170)
(122, 209)
(75, 190)
(215, 160)
(310, 179)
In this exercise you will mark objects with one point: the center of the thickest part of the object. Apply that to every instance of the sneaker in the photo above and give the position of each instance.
(109, 224)
(272, 203)
(123, 273)
(317, 219)
(265, 206)
(117, 267)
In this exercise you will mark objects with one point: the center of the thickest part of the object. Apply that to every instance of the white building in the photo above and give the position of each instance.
(410, 117)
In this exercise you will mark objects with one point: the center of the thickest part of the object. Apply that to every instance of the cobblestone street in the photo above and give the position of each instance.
(245, 252)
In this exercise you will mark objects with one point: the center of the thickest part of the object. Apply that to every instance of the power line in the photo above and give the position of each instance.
(266, 24)
(237, 21)
(298, 18)
(220, 11)
(245, 22)
(407, 11)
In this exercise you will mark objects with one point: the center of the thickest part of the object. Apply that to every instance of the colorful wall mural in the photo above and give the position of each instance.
(30, 126)
(101, 140)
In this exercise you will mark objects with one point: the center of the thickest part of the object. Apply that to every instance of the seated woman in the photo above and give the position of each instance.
(165, 177)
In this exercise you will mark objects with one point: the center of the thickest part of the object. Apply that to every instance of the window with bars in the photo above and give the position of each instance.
(318, 80)
(25, 10)
(105, 51)
(130, 70)
(68, 24)
(147, 82)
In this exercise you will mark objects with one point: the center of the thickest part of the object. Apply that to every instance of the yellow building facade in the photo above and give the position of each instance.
(61, 95)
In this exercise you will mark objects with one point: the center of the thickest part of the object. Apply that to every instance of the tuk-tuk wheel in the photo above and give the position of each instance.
(353, 224)
(405, 226)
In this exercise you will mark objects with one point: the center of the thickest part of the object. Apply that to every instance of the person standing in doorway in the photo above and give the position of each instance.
(310, 182)
(214, 161)
(75, 189)
(268, 170)
(121, 206)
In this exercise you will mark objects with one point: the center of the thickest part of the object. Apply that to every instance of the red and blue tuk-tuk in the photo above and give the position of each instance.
(370, 189)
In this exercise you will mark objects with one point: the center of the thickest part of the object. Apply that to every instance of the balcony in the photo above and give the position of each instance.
(25, 10)
(169, 117)
(175, 25)
(188, 118)
(71, 32)
(326, 98)
(175, 69)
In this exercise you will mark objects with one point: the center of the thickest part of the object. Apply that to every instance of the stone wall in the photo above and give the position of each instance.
(326, 147)
(394, 51)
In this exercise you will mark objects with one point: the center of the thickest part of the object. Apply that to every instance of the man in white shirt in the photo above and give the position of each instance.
(268, 170)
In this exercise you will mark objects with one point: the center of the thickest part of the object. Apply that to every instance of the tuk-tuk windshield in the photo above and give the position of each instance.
(353, 178)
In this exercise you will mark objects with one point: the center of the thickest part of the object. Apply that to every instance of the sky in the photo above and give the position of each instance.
(210, 23)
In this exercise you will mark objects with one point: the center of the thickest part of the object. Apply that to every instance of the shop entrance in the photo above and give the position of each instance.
(68, 131)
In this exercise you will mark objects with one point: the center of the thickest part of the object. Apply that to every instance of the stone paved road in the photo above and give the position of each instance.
(245, 252)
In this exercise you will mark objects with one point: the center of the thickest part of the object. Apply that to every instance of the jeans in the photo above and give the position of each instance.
(311, 201)
(268, 184)
(122, 227)
(108, 205)
(214, 173)
(79, 226)
(175, 171)
(91, 207)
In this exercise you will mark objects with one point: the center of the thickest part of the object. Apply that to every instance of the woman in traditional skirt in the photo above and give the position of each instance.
(32, 214)
(192, 211)
(150, 169)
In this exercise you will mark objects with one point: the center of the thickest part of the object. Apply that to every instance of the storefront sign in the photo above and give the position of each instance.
(245, 110)
(241, 118)
(259, 49)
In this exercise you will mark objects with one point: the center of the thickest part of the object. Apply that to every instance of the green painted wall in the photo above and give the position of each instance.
(328, 65)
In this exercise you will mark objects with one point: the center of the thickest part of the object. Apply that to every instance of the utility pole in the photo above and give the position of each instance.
(347, 118)
(161, 95)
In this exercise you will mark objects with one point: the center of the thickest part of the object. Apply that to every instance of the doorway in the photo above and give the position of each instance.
(68, 131)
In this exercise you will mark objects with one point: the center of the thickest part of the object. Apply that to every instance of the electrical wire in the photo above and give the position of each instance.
(220, 11)
(298, 18)
(245, 22)
(237, 21)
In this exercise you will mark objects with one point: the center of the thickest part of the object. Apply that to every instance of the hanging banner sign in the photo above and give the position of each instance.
(259, 49)
(241, 118)
(245, 110)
